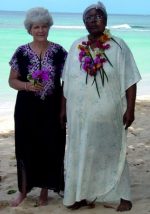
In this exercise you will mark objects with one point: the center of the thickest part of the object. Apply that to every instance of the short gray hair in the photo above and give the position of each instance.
(35, 15)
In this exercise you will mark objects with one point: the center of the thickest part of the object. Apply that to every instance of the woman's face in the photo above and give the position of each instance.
(95, 22)
(39, 31)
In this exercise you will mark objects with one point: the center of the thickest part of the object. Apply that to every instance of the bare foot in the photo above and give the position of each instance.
(124, 205)
(43, 200)
(18, 200)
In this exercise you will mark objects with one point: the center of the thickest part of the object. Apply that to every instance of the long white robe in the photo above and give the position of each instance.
(95, 159)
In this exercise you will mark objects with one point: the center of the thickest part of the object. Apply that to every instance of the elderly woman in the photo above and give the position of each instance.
(35, 73)
(100, 77)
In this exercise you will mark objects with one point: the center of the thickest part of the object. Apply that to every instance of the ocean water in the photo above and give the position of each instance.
(134, 29)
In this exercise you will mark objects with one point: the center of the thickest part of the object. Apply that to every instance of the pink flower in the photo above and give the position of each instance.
(102, 60)
(87, 59)
(40, 75)
(106, 46)
(97, 60)
(81, 55)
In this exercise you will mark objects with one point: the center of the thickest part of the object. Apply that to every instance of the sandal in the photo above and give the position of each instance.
(82, 203)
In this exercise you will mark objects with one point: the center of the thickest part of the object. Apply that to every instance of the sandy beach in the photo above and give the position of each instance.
(138, 155)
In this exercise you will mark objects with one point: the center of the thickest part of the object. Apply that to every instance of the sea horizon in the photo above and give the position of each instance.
(127, 14)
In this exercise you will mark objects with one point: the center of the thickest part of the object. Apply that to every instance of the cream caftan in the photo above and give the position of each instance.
(95, 159)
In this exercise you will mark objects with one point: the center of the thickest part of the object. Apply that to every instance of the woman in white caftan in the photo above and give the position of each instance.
(97, 122)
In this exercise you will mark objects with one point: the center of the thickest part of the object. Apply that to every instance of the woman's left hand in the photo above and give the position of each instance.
(128, 118)
(34, 87)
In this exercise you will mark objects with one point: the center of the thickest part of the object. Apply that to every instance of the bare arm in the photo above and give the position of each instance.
(63, 111)
(128, 117)
(19, 85)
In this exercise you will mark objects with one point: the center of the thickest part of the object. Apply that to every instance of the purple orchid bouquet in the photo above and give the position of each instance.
(41, 77)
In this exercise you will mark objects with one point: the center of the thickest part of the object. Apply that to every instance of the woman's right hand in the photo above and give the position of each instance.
(19, 85)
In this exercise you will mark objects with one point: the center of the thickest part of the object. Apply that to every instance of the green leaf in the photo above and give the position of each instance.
(105, 74)
(11, 191)
(101, 75)
(96, 86)
(115, 42)
(108, 59)
(86, 77)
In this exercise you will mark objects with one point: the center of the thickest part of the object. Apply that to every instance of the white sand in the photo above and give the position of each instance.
(138, 158)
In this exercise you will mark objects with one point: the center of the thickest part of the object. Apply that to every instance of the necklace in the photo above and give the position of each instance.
(92, 57)
(40, 49)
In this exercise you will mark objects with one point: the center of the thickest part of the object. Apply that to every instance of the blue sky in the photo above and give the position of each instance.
(113, 6)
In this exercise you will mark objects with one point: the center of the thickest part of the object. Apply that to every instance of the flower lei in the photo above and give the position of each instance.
(92, 61)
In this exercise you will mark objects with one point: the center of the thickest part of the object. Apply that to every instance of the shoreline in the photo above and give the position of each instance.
(7, 117)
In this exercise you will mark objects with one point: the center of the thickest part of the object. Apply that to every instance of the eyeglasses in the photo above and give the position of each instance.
(90, 19)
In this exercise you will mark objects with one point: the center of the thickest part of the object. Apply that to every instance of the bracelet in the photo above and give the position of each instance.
(25, 86)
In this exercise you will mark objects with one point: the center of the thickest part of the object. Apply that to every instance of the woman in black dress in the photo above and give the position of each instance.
(39, 138)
